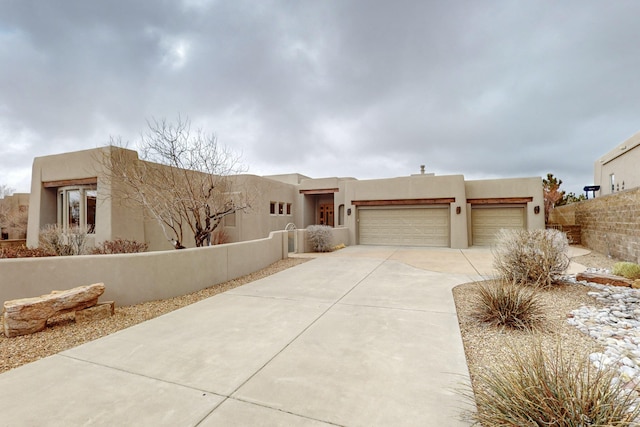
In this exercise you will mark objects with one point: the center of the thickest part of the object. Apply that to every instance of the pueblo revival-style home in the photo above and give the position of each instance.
(417, 210)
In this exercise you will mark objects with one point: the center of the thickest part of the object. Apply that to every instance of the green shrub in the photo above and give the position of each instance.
(548, 389)
(535, 257)
(119, 246)
(626, 269)
(320, 237)
(508, 305)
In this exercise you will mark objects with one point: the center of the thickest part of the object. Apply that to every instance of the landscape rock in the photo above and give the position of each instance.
(28, 315)
(102, 310)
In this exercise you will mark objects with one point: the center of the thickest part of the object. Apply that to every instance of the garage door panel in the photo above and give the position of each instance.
(487, 222)
(412, 227)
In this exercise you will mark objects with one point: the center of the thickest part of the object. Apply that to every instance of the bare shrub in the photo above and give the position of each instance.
(535, 257)
(220, 237)
(538, 388)
(72, 241)
(23, 252)
(320, 237)
(508, 305)
(629, 270)
(119, 246)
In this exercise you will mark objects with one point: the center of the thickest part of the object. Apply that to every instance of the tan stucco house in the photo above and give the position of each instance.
(417, 210)
(619, 169)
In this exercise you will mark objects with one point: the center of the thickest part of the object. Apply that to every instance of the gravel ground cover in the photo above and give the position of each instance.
(486, 346)
(63, 332)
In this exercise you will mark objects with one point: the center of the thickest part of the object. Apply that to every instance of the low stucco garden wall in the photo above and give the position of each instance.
(135, 278)
(609, 224)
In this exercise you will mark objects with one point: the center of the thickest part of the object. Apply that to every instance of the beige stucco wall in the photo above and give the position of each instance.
(622, 161)
(512, 188)
(135, 278)
(411, 187)
(113, 219)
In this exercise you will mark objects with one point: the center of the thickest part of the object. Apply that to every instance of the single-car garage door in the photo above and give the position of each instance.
(404, 226)
(486, 222)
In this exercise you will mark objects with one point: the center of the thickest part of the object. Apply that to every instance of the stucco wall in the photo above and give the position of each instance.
(621, 162)
(610, 224)
(412, 187)
(135, 278)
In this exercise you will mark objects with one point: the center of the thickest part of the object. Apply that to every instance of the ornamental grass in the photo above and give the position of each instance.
(542, 388)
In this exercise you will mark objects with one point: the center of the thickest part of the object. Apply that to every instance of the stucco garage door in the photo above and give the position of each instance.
(486, 222)
(404, 227)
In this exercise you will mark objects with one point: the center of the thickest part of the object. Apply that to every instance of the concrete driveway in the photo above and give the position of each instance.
(365, 336)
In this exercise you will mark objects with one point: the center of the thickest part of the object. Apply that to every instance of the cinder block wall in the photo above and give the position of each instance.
(610, 224)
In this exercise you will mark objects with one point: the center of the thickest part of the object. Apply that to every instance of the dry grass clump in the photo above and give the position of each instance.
(629, 270)
(534, 257)
(508, 305)
(538, 388)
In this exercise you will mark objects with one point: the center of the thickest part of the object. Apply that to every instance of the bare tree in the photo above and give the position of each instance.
(182, 181)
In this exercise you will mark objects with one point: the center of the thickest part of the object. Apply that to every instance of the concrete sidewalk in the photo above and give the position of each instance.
(365, 336)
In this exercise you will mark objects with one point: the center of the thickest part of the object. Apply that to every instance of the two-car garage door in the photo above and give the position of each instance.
(410, 226)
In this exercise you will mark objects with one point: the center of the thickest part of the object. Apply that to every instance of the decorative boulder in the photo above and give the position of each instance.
(28, 315)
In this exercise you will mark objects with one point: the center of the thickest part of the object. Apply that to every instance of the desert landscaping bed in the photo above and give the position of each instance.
(490, 347)
(63, 332)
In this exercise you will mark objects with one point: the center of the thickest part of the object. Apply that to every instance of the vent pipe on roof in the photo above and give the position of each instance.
(422, 169)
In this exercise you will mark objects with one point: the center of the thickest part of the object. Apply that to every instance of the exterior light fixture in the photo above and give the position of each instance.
(458, 210)
(348, 211)
(536, 210)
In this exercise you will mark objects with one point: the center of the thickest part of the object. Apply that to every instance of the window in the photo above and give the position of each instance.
(77, 207)
(272, 208)
(288, 208)
(612, 181)
(281, 209)
(230, 220)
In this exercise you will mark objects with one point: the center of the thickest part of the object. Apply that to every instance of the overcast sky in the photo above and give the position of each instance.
(368, 89)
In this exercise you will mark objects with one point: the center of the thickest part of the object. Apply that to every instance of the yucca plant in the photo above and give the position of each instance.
(539, 388)
(508, 305)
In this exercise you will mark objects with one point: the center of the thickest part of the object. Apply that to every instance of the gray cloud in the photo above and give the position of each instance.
(350, 88)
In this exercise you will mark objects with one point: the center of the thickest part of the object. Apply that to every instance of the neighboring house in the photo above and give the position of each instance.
(13, 216)
(416, 210)
(618, 169)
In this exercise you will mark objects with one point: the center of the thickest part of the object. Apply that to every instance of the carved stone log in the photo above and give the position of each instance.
(604, 279)
(28, 315)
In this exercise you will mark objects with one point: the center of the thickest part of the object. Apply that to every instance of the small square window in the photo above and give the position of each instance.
(272, 208)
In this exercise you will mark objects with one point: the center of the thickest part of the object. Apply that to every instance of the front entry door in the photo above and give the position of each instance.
(325, 214)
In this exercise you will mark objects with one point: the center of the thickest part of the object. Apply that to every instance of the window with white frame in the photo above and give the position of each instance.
(77, 207)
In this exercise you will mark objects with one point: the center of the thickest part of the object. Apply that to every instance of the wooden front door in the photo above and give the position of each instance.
(325, 214)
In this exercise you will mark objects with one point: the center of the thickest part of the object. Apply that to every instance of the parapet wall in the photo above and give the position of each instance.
(609, 224)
